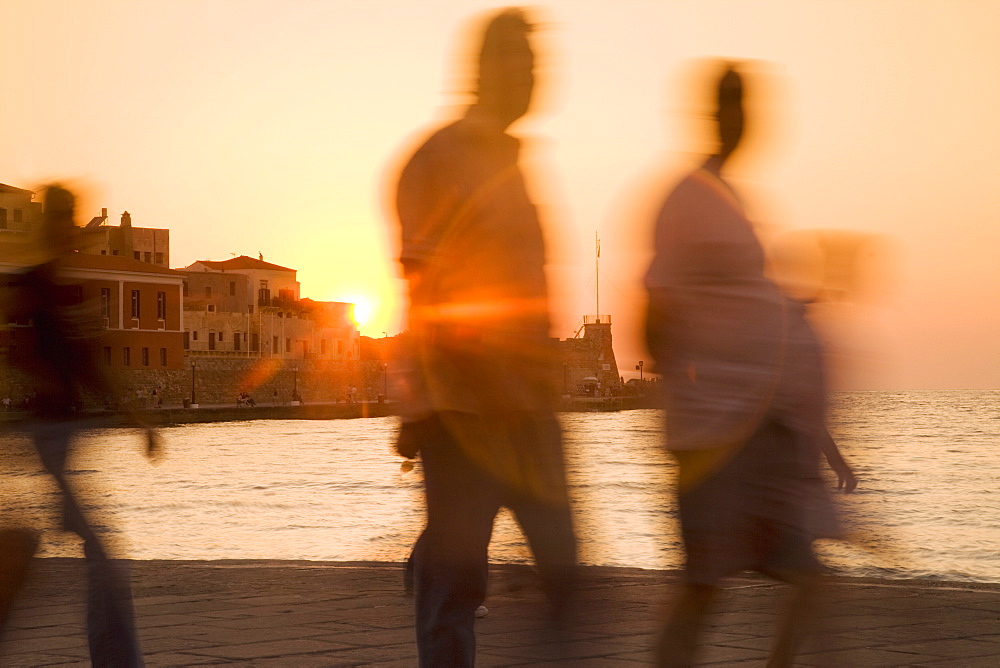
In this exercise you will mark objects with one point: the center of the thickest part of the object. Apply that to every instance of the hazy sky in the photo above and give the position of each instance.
(273, 126)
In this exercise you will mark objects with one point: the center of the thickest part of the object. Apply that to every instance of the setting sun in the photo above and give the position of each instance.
(362, 311)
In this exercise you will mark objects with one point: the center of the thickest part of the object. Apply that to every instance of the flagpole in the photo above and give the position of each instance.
(597, 274)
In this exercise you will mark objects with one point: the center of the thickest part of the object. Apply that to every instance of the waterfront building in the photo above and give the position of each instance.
(19, 213)
(247, 307)
(145, 244)
(130, 308)
(588, 360)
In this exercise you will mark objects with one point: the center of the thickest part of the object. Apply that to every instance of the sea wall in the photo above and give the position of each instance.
(218, 380)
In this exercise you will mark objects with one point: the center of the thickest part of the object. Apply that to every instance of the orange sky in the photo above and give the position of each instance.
(251, 126)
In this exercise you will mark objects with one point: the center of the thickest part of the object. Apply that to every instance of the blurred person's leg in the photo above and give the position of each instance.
(717, 527)
(17, 547)
(111, 633)
(678, 642)
(785, 532)
(797, 619)
(549, 530)
(793, 561)
(409, 568)
(451, 558)
(548, 526)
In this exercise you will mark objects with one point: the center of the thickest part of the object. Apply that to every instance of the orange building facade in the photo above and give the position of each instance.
(135, 308)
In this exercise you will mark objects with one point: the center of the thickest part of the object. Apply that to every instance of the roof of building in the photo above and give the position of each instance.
(115, 263)
(23, 255)
(4, 188)
(242, 262)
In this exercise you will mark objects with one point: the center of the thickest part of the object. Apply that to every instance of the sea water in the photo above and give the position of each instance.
(926, 506)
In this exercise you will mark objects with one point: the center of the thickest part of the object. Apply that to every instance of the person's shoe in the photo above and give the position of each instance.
(481, 611)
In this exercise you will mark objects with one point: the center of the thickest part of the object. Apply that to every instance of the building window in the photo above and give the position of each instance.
(107, 355)
(194, 335)
(211, 308)
(159, 258)
(145, 356)
(3, 219)
(255, 342)
(236, 340)
(274, 345)
(288, 345)
(208, 292)
(104, 252)
(136, 255)
(185, 289)
(232, 288)
(163, 357)
(187, 340)
(147, 257)
(114, 252)
(127, 356)
(105, 302)
(211, 340)
(161, 305)
(135, 304)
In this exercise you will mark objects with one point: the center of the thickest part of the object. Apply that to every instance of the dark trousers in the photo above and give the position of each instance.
(111, 632)
(450, 558)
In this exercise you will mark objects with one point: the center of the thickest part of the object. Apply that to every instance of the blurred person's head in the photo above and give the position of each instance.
(729, 116)
(59, 232)
(506, 67)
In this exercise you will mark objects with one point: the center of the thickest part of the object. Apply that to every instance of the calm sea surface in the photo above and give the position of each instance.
(927, 505)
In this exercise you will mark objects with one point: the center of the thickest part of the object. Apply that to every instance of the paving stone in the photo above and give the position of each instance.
(265, 650)
(172, 659)
(955, 649)
(862, 657)
(225, 636)
(303, 614)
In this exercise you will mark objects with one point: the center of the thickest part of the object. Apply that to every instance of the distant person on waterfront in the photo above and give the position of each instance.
(744, 395)
(479, 409)
(62, 364)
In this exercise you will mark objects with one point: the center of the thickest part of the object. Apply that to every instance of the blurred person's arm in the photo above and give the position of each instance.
(424, 206)
(845, 476)
(92, 376)
(659, 327)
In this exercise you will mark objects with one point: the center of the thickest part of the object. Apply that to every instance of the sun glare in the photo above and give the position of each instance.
(362, 311)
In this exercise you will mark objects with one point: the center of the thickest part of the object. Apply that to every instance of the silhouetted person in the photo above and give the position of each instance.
(61, 364)
(480, 407)
(745, 400)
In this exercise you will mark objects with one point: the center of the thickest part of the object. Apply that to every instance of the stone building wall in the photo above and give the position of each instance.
(220, 380)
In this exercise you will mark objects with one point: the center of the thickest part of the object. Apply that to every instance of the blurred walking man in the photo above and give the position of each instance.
(480, 411)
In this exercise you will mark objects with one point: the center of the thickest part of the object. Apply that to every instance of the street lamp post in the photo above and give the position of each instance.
(194, 398)
(638, 368)
(295, 385)
(385, 367)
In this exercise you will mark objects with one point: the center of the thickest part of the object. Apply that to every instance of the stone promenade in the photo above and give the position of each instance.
(271, 613)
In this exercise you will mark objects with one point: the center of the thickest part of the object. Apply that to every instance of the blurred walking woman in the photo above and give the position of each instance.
(744, 397)
(61, 364)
